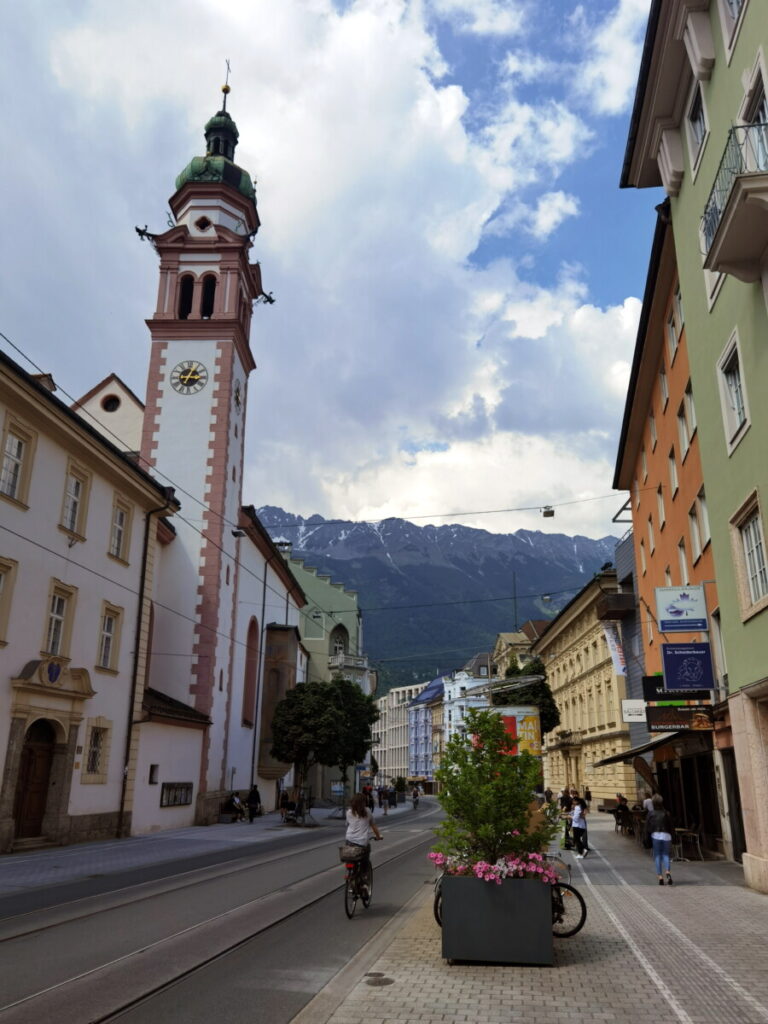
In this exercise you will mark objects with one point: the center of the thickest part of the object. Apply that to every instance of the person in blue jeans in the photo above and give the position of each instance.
(579, 827)
(658, 825)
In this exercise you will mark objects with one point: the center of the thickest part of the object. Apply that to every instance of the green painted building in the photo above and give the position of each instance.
(699, 129)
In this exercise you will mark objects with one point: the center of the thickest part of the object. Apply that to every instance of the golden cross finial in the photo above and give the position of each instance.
(226, 89)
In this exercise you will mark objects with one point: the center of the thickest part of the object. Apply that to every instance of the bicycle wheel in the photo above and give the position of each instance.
(437, 906)
(569, 911)
(350, 891)
(366, 884)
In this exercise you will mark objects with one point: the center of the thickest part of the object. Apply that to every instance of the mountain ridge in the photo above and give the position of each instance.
(433, 596)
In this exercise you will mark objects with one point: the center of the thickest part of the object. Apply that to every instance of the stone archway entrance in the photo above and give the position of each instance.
(34, 779)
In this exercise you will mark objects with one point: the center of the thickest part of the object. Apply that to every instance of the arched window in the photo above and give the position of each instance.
(216, 145)
(209, 294)
(186, 288)
(339, 641)
(251, 674)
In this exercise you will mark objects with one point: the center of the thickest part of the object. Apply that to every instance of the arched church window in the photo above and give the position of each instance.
(209, 294)
(186, 289)
(251, 673)
(216, 145)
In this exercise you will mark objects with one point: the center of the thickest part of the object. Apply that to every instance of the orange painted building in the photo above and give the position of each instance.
(658, 460)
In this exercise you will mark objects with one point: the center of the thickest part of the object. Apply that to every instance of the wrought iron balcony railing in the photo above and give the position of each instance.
(746, 153)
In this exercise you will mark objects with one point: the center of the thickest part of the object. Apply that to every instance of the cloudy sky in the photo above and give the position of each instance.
(456, 270)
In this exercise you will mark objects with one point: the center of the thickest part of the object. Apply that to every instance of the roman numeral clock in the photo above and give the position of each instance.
(189, 377)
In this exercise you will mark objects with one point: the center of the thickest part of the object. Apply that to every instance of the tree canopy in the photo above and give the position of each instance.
(323, 723)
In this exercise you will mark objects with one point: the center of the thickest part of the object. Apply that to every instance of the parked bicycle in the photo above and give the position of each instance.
(358, 877)
(569, 911)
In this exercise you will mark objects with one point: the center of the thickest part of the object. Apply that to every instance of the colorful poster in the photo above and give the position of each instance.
(612, 638)
(522, 725)
(681, 610)
(687, 667)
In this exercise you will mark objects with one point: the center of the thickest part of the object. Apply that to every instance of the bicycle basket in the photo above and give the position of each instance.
(349, 852)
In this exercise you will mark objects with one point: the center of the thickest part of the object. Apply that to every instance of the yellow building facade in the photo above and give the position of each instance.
(588, 691)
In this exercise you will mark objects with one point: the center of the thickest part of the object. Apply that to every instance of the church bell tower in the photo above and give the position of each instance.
(194, 425)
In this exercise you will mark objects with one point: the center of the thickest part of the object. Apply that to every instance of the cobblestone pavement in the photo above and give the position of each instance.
(690, 953)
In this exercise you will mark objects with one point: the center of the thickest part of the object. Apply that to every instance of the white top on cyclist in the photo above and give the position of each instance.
(359, 829)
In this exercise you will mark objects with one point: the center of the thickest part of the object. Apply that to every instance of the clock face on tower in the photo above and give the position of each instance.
(189, 377)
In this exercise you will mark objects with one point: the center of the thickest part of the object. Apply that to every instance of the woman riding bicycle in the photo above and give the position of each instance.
(360, 824)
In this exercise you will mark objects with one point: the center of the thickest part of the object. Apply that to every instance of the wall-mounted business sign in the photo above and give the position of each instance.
(632, 711)
(687, 667)
(681, 610)
(671, 717)
(654, 691)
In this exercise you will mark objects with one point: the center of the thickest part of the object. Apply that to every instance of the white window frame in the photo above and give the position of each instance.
(643, 564)
(108, 652)
(652, 430)
(696, 143)
(674, 481)
(673, 337)
(703, 517)
(644, 463)
(664, 387)
(60, 613)
(749, 557)
(74, 505)
(18, 492)
(682, 562)
(651, 537)
(660, 506)
(734, 427)
(120, 529)
(730, 25)
(667, 577)
(694, 533)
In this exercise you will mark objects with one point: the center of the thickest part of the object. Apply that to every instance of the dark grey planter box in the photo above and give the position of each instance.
(509, 923)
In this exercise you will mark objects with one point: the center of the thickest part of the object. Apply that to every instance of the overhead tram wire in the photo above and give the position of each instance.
(237, 562)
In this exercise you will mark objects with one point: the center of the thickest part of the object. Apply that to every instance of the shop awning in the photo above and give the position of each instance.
(628, 755)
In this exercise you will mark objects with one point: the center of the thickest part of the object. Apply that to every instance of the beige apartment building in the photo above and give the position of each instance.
(390, 737)
(588, 690)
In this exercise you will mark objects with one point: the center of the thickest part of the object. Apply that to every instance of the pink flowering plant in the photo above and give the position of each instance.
(492, 829)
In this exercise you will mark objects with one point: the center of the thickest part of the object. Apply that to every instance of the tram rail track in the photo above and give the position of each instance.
(104, 991)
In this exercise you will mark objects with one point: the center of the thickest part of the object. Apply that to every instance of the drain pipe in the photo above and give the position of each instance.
(136, 647)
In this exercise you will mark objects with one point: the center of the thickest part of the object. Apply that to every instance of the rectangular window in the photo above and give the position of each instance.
(119, 533)
(697, 123)
(671, 336)
(176, 794)
(703, 516)
(636, 489)
(694, 533)
(660, 506)
(7, 579)
(60, 614)
(683, 563)
(644, 463)
(672, 464)
(754, 555)
(664, 386)
(733, 397)
(682, 433)
(679, 314)
(74, 506)
(652, 430)
(18, 445)
(109, 638)
(642, 558)
(651, 538)
(93, 763)
(667, 577)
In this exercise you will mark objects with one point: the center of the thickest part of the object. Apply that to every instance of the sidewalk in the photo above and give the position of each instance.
(22, 872)
(692, 953)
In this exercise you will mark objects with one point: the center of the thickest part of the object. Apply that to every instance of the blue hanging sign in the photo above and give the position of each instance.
(687, 667)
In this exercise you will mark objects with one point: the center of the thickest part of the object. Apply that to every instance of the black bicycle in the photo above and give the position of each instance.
(569, 911)
(358, 882)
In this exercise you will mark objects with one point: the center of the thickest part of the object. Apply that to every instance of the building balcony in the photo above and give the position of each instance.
(615, 606)
(564, 739)
(348, 662)
(734, 227)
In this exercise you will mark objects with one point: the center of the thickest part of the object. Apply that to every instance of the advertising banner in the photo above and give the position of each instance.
(522, 724)
(671, 718)
(681, 610)
(611, 631)
(632, 711)
(687, 667)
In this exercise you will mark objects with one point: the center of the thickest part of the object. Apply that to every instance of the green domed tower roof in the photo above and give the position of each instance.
(218, 164)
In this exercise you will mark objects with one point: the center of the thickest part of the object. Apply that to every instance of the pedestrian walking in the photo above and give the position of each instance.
(579, 827)
(648, 803)
(658, 826)
(548, 795)
(284, 801)
(254, 803)
(566, 806)
(392, 796)
(588, 797)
